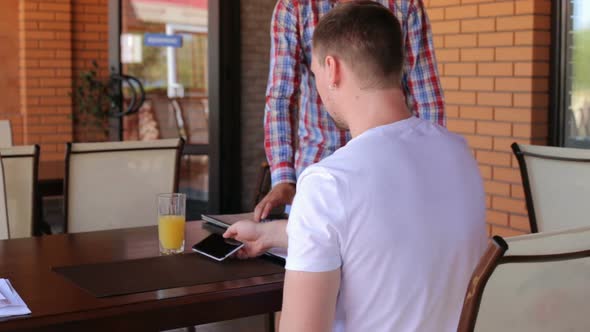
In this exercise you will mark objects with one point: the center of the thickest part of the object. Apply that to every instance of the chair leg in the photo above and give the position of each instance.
(271, 322)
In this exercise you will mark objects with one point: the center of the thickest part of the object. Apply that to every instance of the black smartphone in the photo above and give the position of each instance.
(217, 247)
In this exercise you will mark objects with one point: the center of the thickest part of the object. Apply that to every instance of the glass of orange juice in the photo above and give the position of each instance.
(171, 220)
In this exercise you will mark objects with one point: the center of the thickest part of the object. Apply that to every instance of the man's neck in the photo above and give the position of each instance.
(377, 108)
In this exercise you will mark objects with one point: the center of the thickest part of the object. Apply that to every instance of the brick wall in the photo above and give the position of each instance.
(89, 43)
(9, 38)
(45, 74)
(255, 34)
(494, 64)
(57, 39)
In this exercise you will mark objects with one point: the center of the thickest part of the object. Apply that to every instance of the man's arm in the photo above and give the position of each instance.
(282, 93)
(258, 237)
(281, 108)
(309, 301)
(420, 79)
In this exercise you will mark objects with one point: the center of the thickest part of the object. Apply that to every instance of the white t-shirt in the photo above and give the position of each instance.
(401, 210)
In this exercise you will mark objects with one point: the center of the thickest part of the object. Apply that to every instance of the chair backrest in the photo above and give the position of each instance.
(5, 134)
(263, 185)
(114, 185)
(4, 231)
(557, 186)
(20, 170)
(540, 284)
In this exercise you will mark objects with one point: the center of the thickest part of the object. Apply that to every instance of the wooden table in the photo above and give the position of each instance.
(59, 305)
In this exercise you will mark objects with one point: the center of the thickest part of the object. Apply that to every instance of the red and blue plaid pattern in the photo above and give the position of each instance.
(293, 106)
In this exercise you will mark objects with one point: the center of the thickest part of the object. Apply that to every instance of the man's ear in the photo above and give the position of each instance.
(334, 68)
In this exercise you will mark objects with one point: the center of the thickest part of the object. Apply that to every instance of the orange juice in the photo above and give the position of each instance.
(171, 232)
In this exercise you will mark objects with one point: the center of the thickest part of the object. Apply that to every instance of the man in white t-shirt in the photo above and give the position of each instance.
(385, 233)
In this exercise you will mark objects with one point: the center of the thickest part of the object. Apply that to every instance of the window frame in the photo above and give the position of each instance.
(224, 59)
(561, 86)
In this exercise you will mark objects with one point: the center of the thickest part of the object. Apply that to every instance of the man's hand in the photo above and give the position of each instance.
(251, 234)
(258, 237)
(281, 194)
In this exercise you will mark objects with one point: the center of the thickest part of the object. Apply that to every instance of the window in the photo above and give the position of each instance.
(571, 125)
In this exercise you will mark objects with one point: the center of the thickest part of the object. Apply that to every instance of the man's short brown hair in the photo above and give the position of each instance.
(367, 37)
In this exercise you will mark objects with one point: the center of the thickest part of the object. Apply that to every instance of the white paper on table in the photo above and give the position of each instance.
(11, 304)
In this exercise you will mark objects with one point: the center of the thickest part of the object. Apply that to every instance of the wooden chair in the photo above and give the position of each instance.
(5, 134)
(115, 184)
(536, 282)
(21, 164)
(263, 185)
(556, 184)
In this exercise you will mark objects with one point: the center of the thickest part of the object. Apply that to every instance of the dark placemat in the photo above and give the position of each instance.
(149, 274)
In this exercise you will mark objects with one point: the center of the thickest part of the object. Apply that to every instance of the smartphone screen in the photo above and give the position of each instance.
(216, 247)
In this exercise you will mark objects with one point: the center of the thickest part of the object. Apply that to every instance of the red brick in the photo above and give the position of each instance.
(436, 14)
(41, 92)
(493, 128)
(514, 54)
(513, 114)
(479, 142)
(460, 69)
(494, 99)
(40, 35)
(541, 38)
(496, 9)
(476, 112)
(520, 223)
(524, 22)
(486, 172)
(446, 27)
(52, 44)
(478, 25)
(534, 69)
(95, 27)
(514, 84)
(460, 98)
(497, 188)
(516, 191)
(493, 158)
(54, 63)
(531, 99)
(54, 25)
(449, 83)
(64, 17)
(477, 54)
(494, 69)
(54, 7)
(452, 111)
(509, 204)
(461, 126)
(463, 40)
(533, 7)
(530, 130)
(39, 16)
(497, 217)
(443, 3)
(460, 12)
(507, 174)
(477, 84)
(495, 39)
(56, 82)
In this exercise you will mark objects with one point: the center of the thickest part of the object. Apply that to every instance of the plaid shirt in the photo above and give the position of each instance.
(291, 93)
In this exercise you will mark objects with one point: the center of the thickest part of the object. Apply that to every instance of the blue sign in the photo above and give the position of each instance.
(162, 40)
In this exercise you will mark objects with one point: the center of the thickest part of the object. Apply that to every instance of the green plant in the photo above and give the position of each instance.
(92, 99)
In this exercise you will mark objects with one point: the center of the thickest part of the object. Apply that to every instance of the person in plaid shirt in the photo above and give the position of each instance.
(291, 92)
